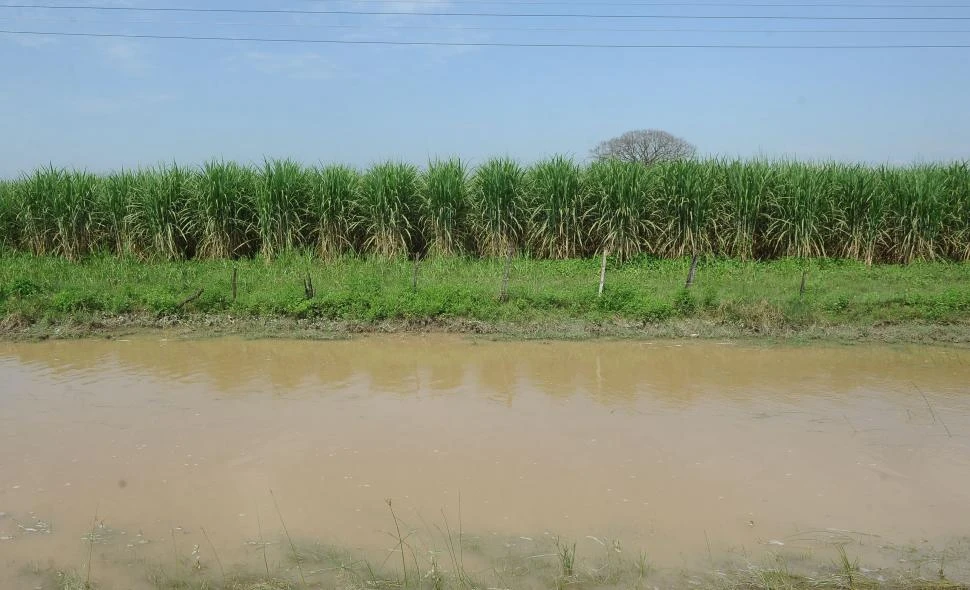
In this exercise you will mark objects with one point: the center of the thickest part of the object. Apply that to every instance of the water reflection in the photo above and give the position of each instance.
(608, 372)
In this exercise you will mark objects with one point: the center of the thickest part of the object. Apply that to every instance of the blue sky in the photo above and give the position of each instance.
(105, 103)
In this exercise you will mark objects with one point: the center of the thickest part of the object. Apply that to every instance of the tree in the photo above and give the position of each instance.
(646, 146)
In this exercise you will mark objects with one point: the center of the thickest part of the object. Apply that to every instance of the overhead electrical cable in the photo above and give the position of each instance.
(482, 43)
(438, 13)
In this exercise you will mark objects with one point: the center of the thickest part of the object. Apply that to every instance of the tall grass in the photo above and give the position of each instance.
(558, 208)
(798, 213)
(221, 209)
(555, 208)
(57, 212)
(159, 205)
(619, 207)
(334, 191)
(956, 232)
(284, 198)
(685, 193)
(747, 187)
(444, 192)
(859, 212)
(9, 228)
(916, 213)
(498, 202)
(388, 208)
(114, 204)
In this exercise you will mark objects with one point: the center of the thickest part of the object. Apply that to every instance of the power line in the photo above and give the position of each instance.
(677, 4)
(480, 14)
(475, 44)
(439, 28)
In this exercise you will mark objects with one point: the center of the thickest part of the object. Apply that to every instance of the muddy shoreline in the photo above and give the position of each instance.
(15, 328)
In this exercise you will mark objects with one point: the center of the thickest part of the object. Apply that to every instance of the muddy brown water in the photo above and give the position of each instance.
(679, 449)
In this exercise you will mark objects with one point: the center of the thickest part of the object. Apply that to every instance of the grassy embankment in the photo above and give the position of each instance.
(142, 242)
(643, 297)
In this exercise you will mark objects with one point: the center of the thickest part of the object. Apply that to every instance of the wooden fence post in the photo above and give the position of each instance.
(308, 290)
(602, 273)
(235, 273)
(692, 273)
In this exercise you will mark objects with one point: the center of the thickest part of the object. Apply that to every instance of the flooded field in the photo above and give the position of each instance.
(682, 456)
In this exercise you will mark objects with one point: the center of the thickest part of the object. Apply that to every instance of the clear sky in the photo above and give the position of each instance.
(105, 103)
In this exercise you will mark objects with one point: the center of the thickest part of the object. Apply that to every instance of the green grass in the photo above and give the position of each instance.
(748, 187)
(334, 192)
(498, 201)
(114, 205)
(444, 191)
(388, 209)
(956, 234)
(57, 212)
(860, 212)
(159, 206)
(558, 209)
(619, 211)
(9, 225)
(799, 213)
(684, 194)
(741, 297)
(555, 209)
(141, 242)
(284, 199)
(219, 209)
